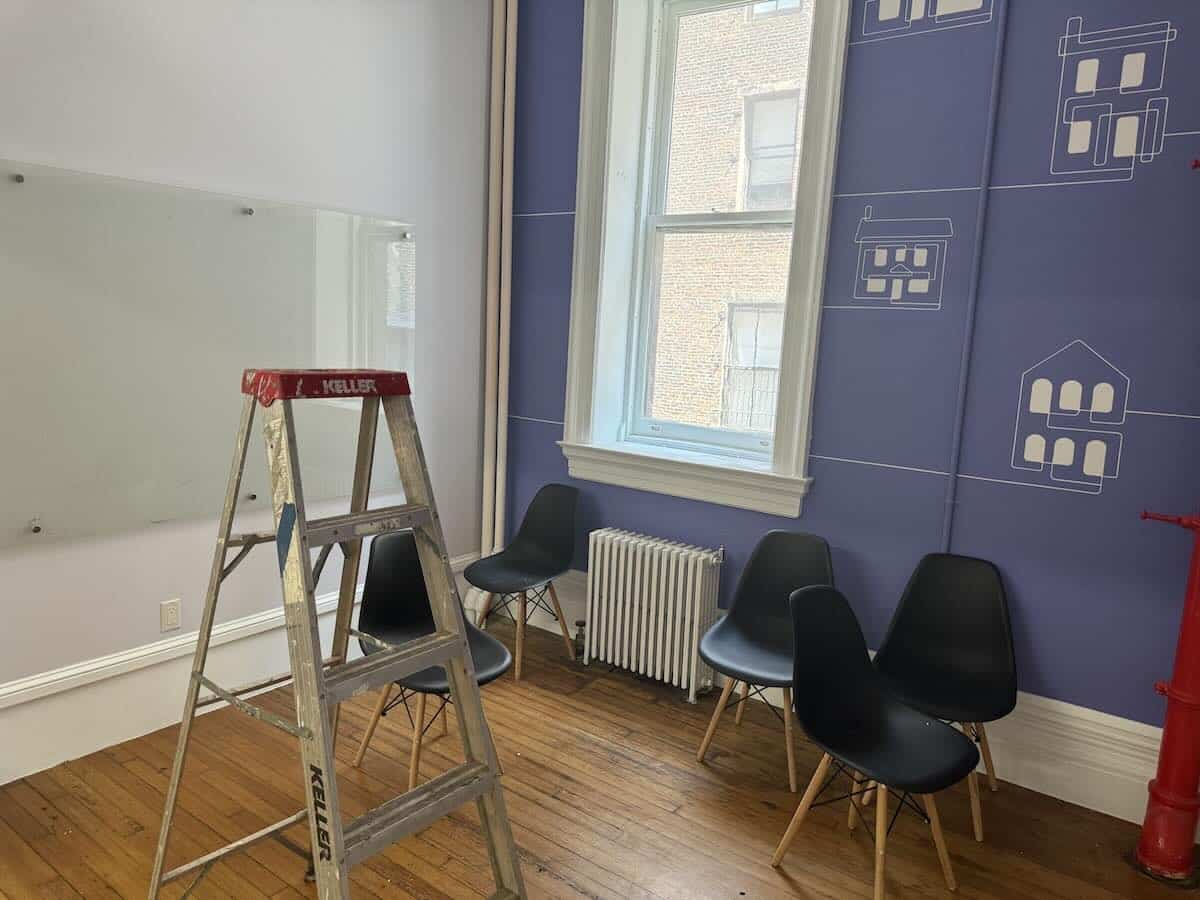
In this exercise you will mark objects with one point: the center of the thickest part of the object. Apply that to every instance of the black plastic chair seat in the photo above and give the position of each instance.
(491, 658)
(893, 744)
(509, 572)
(953, 695)
(753, 642)
(541, 550)
(738, 655)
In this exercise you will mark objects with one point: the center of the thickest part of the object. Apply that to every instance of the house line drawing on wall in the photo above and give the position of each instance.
(901, 262)
(887, 19)
(1069, 405)
(1112, 108)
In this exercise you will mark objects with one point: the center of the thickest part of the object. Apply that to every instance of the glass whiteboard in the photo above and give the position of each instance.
(127, 314)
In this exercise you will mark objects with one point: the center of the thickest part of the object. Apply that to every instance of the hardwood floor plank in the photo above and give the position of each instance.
(20, 865)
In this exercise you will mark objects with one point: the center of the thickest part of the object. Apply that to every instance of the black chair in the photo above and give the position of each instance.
(949, 650)
(525, 570)
(752, 644)
(395, 609)
(866, 732)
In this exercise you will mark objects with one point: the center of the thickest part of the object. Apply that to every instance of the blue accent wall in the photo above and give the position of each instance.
(1089, 269)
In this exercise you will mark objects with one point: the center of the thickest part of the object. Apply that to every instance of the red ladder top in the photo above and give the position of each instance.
(269, 385)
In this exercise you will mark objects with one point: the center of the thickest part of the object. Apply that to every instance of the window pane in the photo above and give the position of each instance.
(719, 308)
(756, 337)
(400, 335)
(748, 400)
(737, 102)
(773, 125)
(769, 7)
(401, 284)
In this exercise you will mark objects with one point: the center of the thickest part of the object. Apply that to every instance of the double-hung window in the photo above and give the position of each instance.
(706, 125)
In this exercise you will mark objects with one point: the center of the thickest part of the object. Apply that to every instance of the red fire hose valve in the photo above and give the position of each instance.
(1165, 850)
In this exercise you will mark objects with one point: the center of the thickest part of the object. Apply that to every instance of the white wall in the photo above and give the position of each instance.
(370, 105)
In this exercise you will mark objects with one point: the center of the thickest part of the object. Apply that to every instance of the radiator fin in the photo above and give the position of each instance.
(649, 602)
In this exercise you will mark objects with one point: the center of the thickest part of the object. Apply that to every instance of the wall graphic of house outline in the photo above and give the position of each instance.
(1069, 405)
(887, 19)
(1112, 112)
(901, 262)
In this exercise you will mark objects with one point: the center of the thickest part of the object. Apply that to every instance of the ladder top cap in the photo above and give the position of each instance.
(269, 385)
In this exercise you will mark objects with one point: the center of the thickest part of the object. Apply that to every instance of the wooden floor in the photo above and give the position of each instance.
(605, 795)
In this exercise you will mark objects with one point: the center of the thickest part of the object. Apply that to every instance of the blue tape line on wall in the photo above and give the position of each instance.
(283, 537)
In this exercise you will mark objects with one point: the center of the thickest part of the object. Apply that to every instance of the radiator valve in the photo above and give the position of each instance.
(579, 639)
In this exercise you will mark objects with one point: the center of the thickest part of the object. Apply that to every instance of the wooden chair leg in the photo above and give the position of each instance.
(976, 811)
(741, 709)
(414, 763)
(881, 830)
(868, 794)
(712, 724)
(562, 622)
(521, 611)
(851, 814)
(485, 610)
(987, 757)
(788, 714)
(806, 802)
(939, 841)
(384, 695)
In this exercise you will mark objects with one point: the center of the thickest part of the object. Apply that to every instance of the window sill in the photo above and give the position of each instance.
(693, 476)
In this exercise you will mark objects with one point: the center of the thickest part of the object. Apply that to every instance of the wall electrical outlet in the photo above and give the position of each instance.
(168, 614)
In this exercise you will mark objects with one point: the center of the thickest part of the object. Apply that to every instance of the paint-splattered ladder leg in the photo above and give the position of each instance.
(448, 616)
(304, 648)
(216, 575)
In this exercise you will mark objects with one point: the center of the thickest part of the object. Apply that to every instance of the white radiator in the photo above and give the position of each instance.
(649, 603)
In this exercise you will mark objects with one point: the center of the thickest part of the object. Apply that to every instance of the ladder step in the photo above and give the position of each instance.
(378, 669)
(337, 529)
(250, 539)
(409, 813)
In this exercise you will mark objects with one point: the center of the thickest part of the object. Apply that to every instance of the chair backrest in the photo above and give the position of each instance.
(782, 562)
(833, 676)
(952, 618)
(394, 594)
(548, 530)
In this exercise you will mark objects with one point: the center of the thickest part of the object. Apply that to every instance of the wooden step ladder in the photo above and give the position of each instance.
(321, 684)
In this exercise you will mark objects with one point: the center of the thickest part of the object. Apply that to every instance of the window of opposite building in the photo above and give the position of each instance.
(751, 379)
(772, 134)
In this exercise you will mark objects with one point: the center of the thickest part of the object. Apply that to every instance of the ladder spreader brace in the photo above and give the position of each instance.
(321, 683)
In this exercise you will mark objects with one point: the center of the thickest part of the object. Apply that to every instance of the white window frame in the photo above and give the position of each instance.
(621, 48)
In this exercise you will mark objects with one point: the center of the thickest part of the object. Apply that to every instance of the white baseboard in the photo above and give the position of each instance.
(69, 712)
(1085, 757)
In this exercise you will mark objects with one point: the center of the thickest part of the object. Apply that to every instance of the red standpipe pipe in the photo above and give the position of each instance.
(1169, 831)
